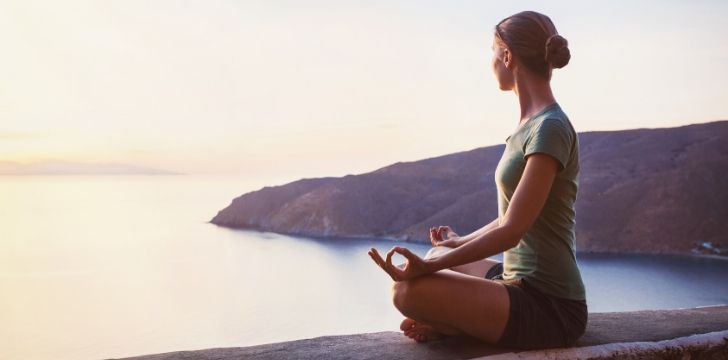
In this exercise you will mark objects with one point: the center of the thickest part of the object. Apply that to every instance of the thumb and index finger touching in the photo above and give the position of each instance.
(409, 255)
(437, 234)
(443, 229)
(386, 263)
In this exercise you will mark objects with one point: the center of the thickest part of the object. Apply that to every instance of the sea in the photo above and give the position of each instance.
(112, 266)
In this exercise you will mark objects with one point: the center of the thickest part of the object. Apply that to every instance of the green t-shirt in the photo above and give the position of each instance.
(546, 255)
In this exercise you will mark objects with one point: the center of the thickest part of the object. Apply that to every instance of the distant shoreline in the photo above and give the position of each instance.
(419, 242)
(62, 167)
(92, 174)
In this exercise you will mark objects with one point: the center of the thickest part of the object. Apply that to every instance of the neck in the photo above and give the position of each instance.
(534, 94)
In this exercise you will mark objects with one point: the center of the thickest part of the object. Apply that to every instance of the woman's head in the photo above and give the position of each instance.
(527, 40)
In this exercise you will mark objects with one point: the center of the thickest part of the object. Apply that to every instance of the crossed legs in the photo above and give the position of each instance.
(453, 302)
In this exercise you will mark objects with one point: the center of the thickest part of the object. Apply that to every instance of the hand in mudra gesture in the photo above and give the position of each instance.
(413, 267)
(450, 238)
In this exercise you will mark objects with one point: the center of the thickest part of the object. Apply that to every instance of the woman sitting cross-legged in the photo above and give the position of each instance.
(535, 298)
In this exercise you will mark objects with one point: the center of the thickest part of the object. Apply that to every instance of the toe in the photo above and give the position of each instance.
(407, 324)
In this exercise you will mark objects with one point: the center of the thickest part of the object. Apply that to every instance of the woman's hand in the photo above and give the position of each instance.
(413, 267)
(451, 240)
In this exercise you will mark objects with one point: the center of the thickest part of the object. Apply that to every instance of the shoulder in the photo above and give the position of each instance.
(554, 117)
(551, 134)
(554, 122)
(551, 128)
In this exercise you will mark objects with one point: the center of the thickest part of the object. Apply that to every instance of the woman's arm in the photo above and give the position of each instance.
(478, 233)
(528, 200)
(453, 240)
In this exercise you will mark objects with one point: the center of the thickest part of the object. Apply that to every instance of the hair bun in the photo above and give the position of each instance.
(557, 51)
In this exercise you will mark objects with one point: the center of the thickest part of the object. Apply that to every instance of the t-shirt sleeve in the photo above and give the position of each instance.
(553, 138)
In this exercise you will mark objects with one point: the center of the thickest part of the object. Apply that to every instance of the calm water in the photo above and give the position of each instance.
(94, 267)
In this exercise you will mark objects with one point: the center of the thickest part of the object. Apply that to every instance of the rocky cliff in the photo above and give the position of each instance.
(643, 190)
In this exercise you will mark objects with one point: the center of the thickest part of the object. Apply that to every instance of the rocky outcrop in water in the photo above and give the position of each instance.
(643, 190)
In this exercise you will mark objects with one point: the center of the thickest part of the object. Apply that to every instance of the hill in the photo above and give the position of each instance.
(643, 190)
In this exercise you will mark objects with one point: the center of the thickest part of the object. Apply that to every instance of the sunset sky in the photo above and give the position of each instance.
(291, 89)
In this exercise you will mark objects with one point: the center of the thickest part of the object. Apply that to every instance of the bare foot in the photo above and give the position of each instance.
(418, 331)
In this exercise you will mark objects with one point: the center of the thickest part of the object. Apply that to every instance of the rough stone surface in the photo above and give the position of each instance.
(712, 345)
(653, 325)
(609, 335)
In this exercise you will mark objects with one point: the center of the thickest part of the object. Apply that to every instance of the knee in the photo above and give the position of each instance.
(399, 293)
(436, 251)
(403, 294)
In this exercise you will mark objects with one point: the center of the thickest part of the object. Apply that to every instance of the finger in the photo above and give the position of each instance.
(389, 256)
(433, 234)
(406, 252)
(382, 262)
(433, 240)
(440, 230)
(405, 266)
(376, 257)
(374, 253)
(449, 232)
(395, 271)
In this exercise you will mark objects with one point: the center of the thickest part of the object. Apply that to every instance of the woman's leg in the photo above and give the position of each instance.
(421, 331)
(453, 303)
(476, 268)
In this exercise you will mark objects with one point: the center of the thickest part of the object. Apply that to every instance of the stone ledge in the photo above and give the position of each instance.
(698, 332)
(712, 345)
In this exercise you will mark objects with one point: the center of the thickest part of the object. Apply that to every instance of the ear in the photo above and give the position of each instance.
(507, 58)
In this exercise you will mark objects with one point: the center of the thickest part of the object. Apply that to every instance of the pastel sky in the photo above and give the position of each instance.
(292, 89)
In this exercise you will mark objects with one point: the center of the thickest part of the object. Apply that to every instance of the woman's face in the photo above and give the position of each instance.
(502, 65)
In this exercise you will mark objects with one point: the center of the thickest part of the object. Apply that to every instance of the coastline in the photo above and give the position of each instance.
(394, 239)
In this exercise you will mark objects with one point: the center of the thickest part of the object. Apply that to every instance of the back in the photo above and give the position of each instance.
(546, 255)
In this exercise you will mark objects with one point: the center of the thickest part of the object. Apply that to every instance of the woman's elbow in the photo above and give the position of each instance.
(513, 234)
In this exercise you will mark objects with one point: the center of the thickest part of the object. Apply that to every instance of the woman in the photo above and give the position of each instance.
(536, 297)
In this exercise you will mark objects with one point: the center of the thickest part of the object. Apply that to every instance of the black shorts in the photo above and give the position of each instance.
(538, 320)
